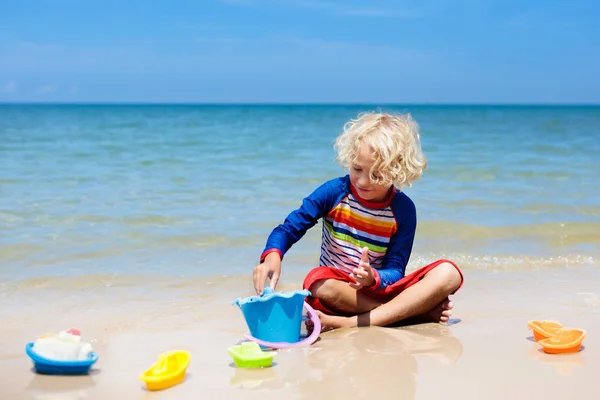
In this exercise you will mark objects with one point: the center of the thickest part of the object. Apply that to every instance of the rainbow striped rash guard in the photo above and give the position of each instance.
(349, 224)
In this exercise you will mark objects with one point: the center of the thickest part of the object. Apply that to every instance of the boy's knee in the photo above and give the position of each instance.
(324, 289)
(448, 276)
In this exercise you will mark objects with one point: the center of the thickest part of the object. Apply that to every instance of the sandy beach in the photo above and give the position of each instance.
(485, 352)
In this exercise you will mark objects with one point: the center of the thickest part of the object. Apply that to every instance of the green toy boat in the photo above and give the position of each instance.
(250, 355)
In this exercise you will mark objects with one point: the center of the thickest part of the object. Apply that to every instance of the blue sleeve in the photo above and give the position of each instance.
(398, 253)
(315, 206)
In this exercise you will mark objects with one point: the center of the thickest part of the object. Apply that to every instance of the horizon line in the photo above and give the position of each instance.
(182, 103)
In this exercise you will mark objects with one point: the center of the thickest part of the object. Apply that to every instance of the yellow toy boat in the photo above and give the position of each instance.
(543, 329)
(566, 340)
(168, 371)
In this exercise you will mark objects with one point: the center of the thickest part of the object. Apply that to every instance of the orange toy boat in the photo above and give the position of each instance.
(566, 340)
(543, 329)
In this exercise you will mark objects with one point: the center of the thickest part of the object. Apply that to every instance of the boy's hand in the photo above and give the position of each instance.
(270, 267)
(363, 274)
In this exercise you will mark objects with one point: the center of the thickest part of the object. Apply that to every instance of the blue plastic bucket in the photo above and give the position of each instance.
(274, 317)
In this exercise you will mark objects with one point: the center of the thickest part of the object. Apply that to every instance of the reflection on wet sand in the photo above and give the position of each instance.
(343, 362)
(253, 378)
(47, 387)
(564, 364)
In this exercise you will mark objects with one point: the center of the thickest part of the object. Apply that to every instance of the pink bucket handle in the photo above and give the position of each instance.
(306, 341)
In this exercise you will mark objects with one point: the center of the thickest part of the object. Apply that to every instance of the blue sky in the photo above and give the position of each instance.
(463, 51)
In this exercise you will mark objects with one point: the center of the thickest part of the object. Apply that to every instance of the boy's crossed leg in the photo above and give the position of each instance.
(424, 301)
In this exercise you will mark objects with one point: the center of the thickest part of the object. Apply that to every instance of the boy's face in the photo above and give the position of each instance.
(360, 179)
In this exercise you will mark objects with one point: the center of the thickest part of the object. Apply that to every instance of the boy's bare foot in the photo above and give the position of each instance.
(328, 322)
(441, 313)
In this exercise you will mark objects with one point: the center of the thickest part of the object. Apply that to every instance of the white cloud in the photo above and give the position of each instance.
(10, 87)
(212, 54)
(331, 7)
(538, 20)
(324, 45)
(291, 55)
(206, 26)
(46, 89)
(221, 40)
(381, 13)
(346, 9)
(239, 2)
(73, 90)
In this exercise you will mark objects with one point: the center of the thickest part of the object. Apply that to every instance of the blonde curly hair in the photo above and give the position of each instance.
(394, 141)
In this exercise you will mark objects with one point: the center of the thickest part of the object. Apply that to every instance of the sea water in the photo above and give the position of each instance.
(194, 190)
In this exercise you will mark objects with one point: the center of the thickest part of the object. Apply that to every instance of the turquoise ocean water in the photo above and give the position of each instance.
(192, 190)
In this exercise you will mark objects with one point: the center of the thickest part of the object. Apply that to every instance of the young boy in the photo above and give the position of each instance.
(368, 232)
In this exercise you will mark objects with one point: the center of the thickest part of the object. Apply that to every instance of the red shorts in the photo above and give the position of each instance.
(383, 295)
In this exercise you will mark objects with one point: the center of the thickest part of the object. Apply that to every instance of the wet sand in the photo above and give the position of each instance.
(486, 351)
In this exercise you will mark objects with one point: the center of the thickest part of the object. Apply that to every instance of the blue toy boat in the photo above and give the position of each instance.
(47, 366)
